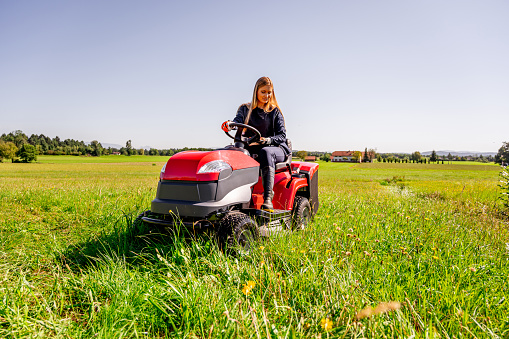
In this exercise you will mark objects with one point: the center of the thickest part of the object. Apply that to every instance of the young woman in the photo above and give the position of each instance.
(264, 114)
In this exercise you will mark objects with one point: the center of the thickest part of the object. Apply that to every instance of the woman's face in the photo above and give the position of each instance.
(264, 94)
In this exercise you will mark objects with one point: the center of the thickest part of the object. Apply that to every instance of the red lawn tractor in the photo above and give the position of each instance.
(221, 191)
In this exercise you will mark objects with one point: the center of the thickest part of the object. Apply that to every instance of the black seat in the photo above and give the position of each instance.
(287, 164)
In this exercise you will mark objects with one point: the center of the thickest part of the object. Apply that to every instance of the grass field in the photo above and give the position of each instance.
(396, 250)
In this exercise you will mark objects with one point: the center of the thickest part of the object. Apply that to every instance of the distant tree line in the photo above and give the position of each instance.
(417, 157)
(370, 155)
(17, 146)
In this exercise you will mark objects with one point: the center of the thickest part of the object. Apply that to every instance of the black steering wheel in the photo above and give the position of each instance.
(238, 136)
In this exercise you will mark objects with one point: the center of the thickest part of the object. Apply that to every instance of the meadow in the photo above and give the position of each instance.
(395, 251)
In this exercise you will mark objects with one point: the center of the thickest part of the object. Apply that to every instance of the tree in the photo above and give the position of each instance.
(449, 157)
(129, 147)
(96, 148)
(416, 156)
(433, 157)
(302, 154)
(325, 157)
(7, 150)
(372, 154)
(357, 156)
(27, 153)
(17, 137)
(502, 156)
(366, 156)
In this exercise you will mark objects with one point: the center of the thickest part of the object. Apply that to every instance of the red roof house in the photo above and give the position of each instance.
(344, 156)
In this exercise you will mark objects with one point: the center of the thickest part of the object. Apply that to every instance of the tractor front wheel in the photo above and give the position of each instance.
(301, 215)
(237, 233)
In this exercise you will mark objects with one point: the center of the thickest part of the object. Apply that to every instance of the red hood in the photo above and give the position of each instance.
(185, 165)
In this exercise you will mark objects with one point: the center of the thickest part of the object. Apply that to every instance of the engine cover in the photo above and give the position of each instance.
(185, 192)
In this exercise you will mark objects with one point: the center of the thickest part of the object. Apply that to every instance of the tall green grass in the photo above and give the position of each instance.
(75, 262)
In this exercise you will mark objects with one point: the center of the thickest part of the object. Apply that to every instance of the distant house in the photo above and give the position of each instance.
(344, 156)
(310, 158)
(116, 153)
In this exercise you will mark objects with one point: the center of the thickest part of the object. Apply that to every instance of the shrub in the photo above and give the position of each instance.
(504, 185)
(27, 153)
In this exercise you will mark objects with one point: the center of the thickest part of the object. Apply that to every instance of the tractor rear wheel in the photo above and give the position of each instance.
(237, 233)
(301, 215)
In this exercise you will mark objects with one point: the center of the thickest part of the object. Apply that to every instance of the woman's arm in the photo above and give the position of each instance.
(241, 114)
(279, 129)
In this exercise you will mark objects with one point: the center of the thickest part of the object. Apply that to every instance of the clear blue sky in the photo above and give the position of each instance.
(399, 76)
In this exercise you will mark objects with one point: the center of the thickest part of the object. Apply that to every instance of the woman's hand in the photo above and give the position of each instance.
(226, 126)
(265, 141)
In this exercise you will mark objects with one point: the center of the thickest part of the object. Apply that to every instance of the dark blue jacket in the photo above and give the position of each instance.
(270, 124)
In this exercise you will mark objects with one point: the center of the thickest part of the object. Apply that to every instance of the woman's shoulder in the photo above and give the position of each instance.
(276, 111)
(244, 106)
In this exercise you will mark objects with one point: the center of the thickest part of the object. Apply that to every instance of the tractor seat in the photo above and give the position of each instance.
(287, 164)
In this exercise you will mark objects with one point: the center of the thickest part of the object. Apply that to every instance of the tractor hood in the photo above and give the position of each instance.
(205, 166)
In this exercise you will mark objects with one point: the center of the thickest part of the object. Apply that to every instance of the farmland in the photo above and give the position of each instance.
(420, 249)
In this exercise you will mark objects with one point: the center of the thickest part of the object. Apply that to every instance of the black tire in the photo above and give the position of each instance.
(301, 215)
(138, 222)
(237, 233)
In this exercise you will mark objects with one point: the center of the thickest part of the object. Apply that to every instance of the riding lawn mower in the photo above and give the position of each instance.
(221, 191)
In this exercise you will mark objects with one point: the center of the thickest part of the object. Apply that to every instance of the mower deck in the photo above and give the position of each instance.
(269, 222)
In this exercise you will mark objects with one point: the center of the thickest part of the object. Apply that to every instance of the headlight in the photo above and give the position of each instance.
(163, 169)
(214, 166)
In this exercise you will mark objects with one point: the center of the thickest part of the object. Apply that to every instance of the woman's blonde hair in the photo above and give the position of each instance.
(263, 81)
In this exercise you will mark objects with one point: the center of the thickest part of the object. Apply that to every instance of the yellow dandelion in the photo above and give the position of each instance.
(262, 248)
(426, 219)
(435, 257)
(327, 252)
(248, 286)
(326, 324)
(303, 251)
